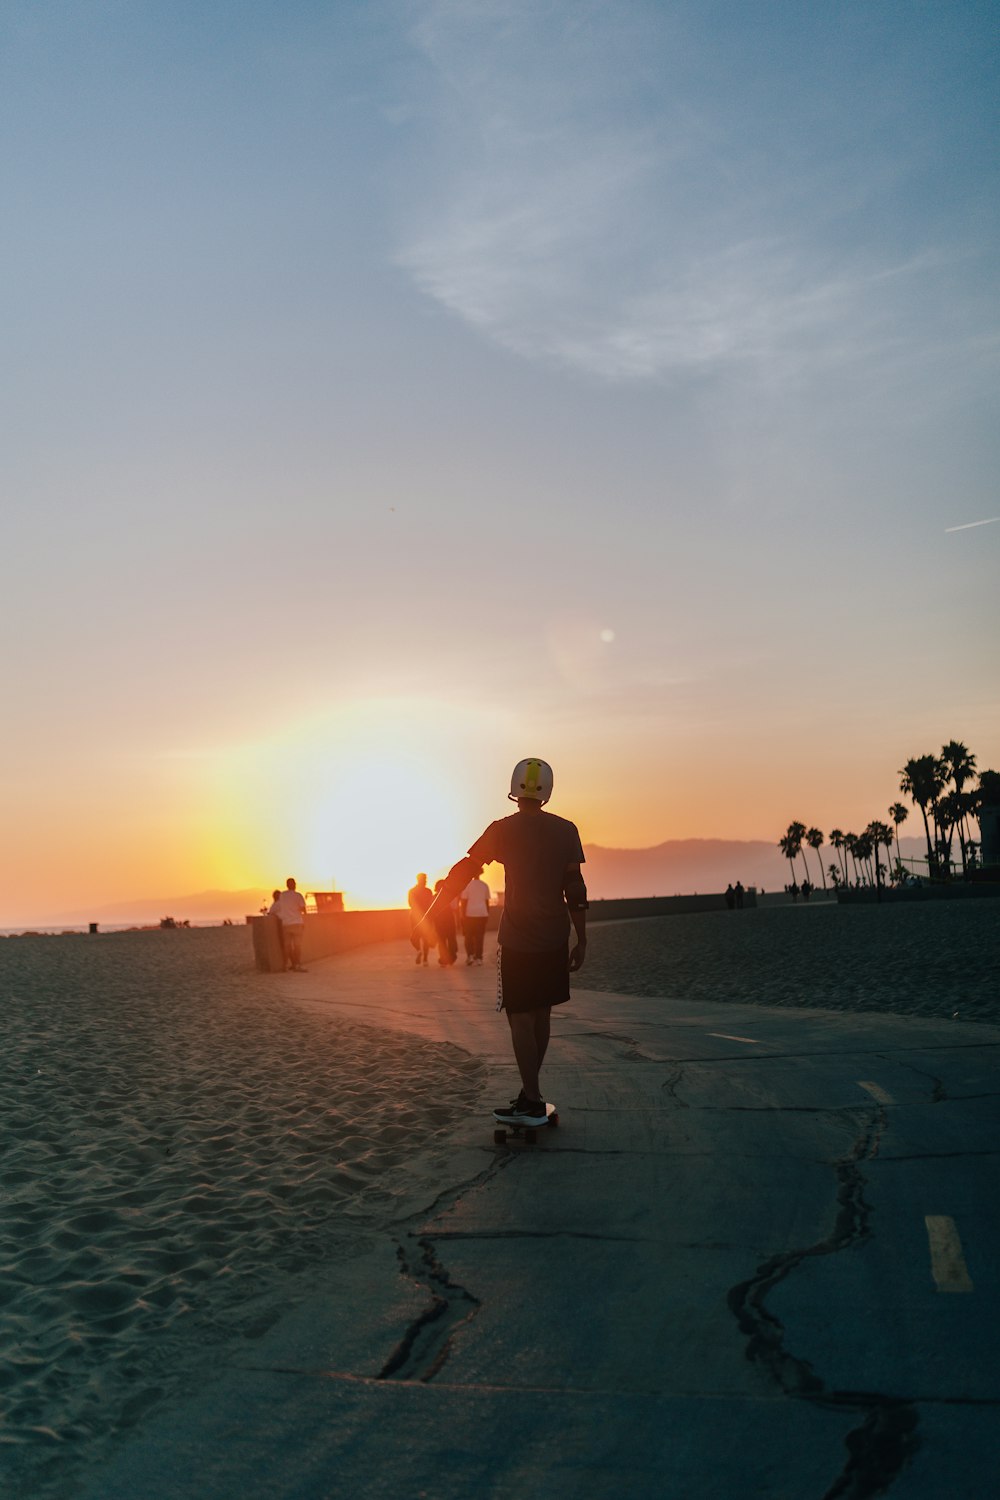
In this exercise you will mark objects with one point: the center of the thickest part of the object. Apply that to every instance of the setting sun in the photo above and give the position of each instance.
(380, 821)
(361, 800)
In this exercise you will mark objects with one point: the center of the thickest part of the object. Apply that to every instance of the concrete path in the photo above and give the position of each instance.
(757, 1258)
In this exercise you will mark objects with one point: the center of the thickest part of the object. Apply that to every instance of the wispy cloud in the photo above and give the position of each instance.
(570, 224)
(970, 525)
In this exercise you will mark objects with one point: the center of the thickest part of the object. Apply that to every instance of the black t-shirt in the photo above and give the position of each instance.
(534, 849)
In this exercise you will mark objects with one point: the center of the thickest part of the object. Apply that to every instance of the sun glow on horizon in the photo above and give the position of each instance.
(391, 815)
(361, 800)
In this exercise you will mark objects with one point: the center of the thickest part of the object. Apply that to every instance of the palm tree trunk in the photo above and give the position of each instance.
(927, 836)
(961, 845)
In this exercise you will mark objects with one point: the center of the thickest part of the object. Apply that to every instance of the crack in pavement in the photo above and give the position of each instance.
(938, 1092)
(962, 1155)
(671, 1085)
(887, 1438)
(424, 1349)
(631, 1050)
(570, 1234)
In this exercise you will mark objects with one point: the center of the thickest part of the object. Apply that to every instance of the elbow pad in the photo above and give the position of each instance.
(575, 891)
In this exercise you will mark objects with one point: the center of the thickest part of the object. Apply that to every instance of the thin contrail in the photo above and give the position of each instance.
(969, 524)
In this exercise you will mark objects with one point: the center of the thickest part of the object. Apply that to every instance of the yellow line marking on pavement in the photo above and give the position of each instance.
(877, 1093)
(724, 1036)
(947, 1261)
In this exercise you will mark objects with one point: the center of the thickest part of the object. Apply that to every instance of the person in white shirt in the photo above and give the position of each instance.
(290, 909)
(475, 901)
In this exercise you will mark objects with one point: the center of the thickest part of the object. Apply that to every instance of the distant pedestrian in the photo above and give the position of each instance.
(793, 891)
(444, 926)
(739, 893)
(806, 889)
(291, 913)
(730, 896)
(418, 899)
(475, 902)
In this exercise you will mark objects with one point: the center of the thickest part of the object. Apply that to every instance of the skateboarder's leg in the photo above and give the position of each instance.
(543, 1026)
(529, 1032)
(525, 1043)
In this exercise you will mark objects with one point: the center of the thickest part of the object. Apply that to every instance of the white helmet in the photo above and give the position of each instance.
(532, 781)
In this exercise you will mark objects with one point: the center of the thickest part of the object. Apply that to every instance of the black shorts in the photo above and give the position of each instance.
(532, 981)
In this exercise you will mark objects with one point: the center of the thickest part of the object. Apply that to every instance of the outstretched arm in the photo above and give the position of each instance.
(456, 880)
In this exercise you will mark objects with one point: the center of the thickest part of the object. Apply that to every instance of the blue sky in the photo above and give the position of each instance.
(599, 380)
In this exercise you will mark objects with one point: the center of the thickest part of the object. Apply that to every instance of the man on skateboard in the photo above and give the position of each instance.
(545, 892)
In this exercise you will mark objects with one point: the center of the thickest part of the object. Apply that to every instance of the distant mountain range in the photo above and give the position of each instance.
(203, 906)
(677, 867)
(684, 866)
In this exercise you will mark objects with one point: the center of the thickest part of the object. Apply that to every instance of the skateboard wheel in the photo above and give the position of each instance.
(500, 1137)
(553, 1120)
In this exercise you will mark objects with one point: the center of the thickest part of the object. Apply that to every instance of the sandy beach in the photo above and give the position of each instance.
(176, 1139)
(184, 1136)
(933, 958)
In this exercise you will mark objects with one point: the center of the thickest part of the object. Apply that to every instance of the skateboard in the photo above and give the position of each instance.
(529, 1132)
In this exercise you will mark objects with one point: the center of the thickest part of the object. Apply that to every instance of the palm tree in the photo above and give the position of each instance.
(851, 845)
(923, 779)
(797, 832)
(791, 847)
(959, 762)
(960, 765)
(948, 811)
(864, 846)
(899, 814)
(815, 841)
(880, 835)
(837, 840)
(885, 838)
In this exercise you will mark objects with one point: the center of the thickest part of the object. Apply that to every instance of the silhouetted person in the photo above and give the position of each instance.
(475, 900)
(541, 855)
(292, 915)
(418, 899)
(739, 893)
(730, 896)
(444, 926)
